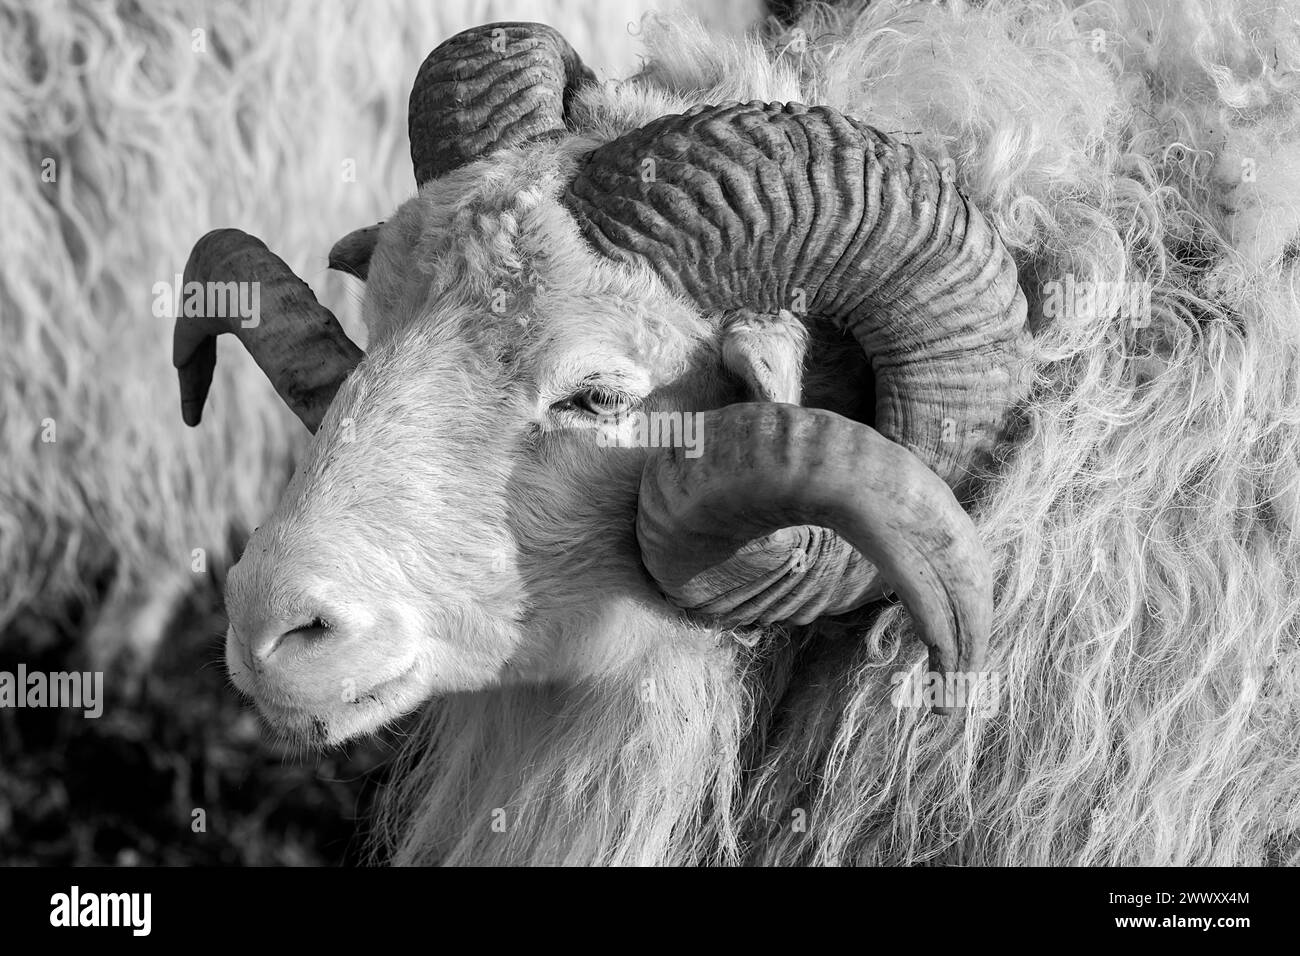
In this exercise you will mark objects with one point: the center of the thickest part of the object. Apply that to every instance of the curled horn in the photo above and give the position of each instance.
(489, 88)
(770, 466)
(486, 88)
(294, 339)
(765, 207)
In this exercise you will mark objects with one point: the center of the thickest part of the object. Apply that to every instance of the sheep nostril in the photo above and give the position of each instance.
(315, 629)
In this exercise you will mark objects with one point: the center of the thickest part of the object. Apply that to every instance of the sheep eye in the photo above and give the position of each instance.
(599, 401)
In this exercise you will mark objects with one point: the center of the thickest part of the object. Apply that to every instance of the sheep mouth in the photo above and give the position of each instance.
(367, 711)
(378, 693)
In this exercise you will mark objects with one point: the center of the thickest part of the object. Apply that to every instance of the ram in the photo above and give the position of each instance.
(833, 251)
(110, 512)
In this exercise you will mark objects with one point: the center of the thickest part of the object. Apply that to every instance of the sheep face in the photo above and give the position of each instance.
(471, 514)
(465, 514)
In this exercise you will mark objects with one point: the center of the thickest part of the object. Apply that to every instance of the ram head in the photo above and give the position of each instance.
(827, 336)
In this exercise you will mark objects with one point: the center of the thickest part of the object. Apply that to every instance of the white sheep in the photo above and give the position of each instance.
(653, 666)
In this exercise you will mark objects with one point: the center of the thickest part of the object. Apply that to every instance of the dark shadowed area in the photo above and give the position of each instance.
(123, 789)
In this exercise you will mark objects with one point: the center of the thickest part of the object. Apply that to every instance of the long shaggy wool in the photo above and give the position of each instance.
(1144, 525)
(126, 132)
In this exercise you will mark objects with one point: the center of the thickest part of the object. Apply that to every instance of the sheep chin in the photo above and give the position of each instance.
(371, 711)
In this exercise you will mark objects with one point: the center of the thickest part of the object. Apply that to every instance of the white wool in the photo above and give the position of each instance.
(1143, 529)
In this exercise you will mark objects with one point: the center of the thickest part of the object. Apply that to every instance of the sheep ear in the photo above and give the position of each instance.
(351, 254)
(767, 353)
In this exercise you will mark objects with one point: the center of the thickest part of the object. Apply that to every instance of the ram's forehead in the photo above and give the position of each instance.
(552, 329)
(639, 328)
(494, 218)
(491, 248)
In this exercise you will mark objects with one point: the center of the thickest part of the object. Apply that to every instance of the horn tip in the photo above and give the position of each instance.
(192, 412)
(347, 268)
(351, 254)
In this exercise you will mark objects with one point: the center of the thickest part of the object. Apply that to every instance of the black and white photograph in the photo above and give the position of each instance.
(650, 434)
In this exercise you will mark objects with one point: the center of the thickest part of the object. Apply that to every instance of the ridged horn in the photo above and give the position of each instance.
(764, 207)
(488, 88)
(767, 466)
(294, 339)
